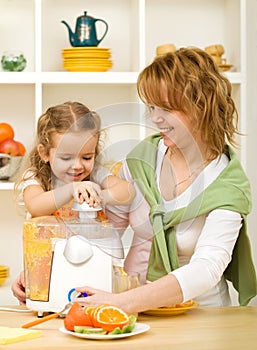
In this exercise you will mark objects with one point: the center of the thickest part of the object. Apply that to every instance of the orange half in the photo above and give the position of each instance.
(109, 317)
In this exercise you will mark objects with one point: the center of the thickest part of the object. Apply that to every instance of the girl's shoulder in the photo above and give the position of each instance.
(29, 178)
(28, 174)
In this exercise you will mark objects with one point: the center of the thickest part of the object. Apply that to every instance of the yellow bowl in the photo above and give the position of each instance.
(88, 62)
(2, 279)
(92, 55)
(4, 268)
(86, 49)
(86, 69)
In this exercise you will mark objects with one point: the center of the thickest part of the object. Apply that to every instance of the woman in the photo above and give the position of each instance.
(193, 197)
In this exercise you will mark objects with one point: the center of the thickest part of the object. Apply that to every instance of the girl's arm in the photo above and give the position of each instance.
(39, 202)
(117, 191)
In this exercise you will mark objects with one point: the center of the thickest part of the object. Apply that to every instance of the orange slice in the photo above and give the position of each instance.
(185, 304)
(109, 317)
(94, 315)
(89, 311)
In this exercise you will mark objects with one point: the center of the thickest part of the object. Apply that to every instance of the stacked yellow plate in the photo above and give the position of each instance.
(86, 59)
(4, 273)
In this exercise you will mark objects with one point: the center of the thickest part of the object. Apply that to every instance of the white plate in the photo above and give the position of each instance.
(138, 329)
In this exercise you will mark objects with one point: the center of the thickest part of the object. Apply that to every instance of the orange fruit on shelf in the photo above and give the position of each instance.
(6, 131)
(22, 149)
(110, 317)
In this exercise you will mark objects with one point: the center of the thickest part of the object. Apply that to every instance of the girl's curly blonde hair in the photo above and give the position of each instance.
(195, 87)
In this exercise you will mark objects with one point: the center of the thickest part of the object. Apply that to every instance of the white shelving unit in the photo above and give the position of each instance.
(136, 28)
(34, 27)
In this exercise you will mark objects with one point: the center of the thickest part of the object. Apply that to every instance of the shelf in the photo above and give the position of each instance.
(85, 77)
(235, 77)
(89, 77)
(17, 77)
(6, 185)
(132, 39)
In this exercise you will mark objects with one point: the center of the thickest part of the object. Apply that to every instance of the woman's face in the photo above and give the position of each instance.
(72, 156)
(175, 128)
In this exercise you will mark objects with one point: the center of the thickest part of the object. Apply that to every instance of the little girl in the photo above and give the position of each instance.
(62, 162)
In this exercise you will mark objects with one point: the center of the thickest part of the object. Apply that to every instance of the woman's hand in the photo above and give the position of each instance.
(87, 191)
(97, 297)
(18, 288)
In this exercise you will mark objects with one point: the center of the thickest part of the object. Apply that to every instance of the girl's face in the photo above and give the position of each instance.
(72, 156)
(174, 126)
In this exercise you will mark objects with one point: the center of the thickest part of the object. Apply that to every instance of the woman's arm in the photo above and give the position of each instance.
(212, 253)
(163, 292)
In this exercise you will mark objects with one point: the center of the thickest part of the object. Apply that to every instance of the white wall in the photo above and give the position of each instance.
(252, 121)
(10, 244)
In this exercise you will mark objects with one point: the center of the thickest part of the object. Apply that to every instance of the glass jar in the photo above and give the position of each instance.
(13, 61)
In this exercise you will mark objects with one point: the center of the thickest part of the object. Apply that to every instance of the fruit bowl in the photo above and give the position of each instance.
(9, 165)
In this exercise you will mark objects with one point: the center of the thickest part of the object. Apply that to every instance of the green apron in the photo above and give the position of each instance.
(230, 191)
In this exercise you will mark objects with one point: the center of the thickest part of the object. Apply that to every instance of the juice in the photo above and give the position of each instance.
(39, 236)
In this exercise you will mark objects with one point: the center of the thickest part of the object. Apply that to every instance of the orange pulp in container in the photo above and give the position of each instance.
(39, 236)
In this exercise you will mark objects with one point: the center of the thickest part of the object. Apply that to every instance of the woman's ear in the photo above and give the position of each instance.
(42, 153)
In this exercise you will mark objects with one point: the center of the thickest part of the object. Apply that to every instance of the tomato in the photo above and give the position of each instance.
(6, 131)
(76, 317)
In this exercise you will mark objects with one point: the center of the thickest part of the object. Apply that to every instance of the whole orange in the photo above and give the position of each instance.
(6, 131)
(76, 317)
(22, 149)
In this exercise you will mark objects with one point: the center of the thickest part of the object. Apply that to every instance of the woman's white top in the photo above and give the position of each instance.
(204, 244)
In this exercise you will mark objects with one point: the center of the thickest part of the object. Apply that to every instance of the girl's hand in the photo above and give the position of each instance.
(87, 191)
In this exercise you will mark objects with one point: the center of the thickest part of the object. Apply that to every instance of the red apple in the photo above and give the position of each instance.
(10, 147)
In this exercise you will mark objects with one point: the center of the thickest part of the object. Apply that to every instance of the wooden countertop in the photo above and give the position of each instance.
(201, 328)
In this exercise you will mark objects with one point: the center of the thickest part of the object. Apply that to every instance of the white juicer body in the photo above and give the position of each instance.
(96, 272)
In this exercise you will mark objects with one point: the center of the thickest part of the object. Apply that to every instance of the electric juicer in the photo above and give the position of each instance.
(60, 255)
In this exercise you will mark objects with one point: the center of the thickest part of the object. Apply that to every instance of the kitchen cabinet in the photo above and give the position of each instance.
(136, 28)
